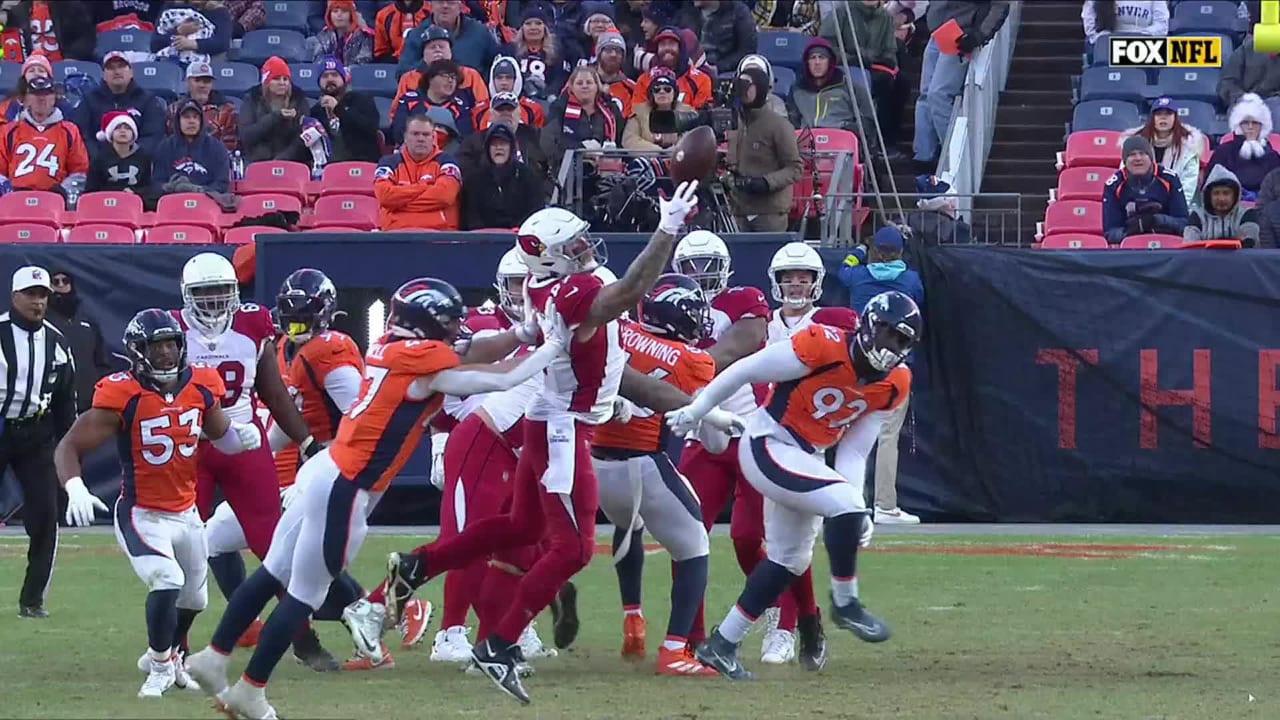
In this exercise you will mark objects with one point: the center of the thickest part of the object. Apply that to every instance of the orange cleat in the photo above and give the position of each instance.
(250, 637)
(682, 663)
(358, 662)
(633, 637)
(414, 619)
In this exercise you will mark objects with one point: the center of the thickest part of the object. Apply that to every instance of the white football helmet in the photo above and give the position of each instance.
(796, 256)
(511, 295)
(210, 291)
(554, 242)
(703, 257)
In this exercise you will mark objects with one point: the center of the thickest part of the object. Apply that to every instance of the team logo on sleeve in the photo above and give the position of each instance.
(383, 173)
(451, 170)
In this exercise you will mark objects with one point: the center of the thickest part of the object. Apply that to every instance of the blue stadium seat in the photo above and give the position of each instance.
(72, 67)
(288, 14)
(306, 76)
(258, 45)
(783, 48)
(1101, 53)
(123, 40)
(1200, 114)
(1113, 84)
(375, 79)
(783, 79)
(9, 74)
(1228, 42)
(1203, 16)
(235, 78)
(384, 112)
(1189, 83)
(162, 78)
(1105, 115)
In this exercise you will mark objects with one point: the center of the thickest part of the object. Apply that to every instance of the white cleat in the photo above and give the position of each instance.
(247, 701)
(778, 647)
(531, 645)
(451, 645)
(159, 679)
(208, 670)
(366, 621)
(895, 516)
(181, 678)
(144, 662)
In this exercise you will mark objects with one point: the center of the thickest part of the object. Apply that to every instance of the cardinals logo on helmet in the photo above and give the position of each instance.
(531, 245)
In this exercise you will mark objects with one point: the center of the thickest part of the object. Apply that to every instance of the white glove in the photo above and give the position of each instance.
(590, 144)
(724, 421)
(868, 529)
(438, 442)
(248, 434)
(527, 330)
(681, 205)
(683, 421)
(623, 410)
(553, 328)
(81, 503)
(288, 495)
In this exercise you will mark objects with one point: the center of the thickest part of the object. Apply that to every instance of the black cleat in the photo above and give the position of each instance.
(308, 651)
(501, 665)
(855, 618)
(564, 616)
(813, 642)
(34, 612)
(405, 573)
(722, 656)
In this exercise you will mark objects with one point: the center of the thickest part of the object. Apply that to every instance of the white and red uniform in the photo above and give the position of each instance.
(781, 328)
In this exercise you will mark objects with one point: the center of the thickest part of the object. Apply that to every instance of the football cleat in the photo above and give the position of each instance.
(531, 647)
(413, 624)
(359, 662)
(405, 574)
(365, 622)
(209, 670)
(721, 655)
(522, 667)
(308, 651)
(682, 663)
(813, 642)
(500, 664)
(778, 647)
(159, 679)
(633, 638)
(451, 645)
(564, 616)
(856, 619)
(245, 700)
(250, 637)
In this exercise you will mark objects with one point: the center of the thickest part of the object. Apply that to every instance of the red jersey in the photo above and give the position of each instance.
(683, 366)
(304, 374)
(40, 157)
(159, 433)
(727, 308)
(820, 406)
(381, 431)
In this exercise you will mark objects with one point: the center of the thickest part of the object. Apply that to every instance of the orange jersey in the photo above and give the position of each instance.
(413, 194)
(692, 88)
(159, 433)
(304, 375)
(390, 26)
(818, 407)
(686, 367)
(381, 431)
(41, 157)
(622, 92)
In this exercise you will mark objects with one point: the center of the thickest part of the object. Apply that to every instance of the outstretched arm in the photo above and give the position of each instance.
(652, 393)
(89, 431)
(775, 363)
(741, 339)
(474, 379)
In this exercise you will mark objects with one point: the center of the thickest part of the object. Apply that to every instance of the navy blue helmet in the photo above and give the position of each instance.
(677, 309)
(306, 303)
(426, 308)
(147, 328)
(888, 328)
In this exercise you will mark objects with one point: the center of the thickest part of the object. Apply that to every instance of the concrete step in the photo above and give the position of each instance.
(1055, 12)
(1014, 131)
(1052, 30)
(998, 181)
(1071, 46)
(1053, 63)
(1022, 80)
(1014, 150)
(1049, 102)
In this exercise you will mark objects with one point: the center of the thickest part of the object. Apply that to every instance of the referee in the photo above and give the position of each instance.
(38, 405)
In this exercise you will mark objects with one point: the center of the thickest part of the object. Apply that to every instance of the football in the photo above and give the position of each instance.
(695, 155)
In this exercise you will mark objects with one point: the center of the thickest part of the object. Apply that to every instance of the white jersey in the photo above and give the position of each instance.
(234, 353)
(784, 329)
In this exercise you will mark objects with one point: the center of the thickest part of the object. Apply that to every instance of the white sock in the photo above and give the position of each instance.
(628, 610)
(159, 656)
(735, 625)
(844, 590)
(674, 643)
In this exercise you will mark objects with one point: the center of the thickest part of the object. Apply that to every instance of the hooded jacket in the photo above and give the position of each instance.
(266, 134)
(1182, 160)
(500, 196)
(469, 91)
(728, 33)
(875, 35)
(693, 87)
(554, 75)
(85, 338)
(764, 146)
(417, 194)
(473, 45)
(203, 160)
(774, 103)
(531, 113)
(1127, 197)
(148, 112)
(825, 102)
(354, 48)
(1250, 171)
(220, 119)
(1238, 223)
(866, 280)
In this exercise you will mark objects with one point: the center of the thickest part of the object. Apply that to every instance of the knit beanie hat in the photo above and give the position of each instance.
(38, 60)
(273, 68)
(113, 120)
(1136, 143)
(611, 38)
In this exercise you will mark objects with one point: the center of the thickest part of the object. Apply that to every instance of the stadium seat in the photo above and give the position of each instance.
(1150, 241)
(258, 45)
(1104, 83)
(178, 235)
(115, 207)
(378, 80)
(288, 15)
(1200, 115)
(235, 78)
(244, 235)
(11, 233)
(1093, 148)
(783, 79)
(1101, 56)
(341, 229)
(102, 233)
(384, 112)
(1074, 241)
(161, 78)
(1073, 216)
(349, 211)
(1105, 115)
(782, 48)
(1273, 139)
(122, 40)
(1189, 83)
(9, 74)
(1192, 16)
(1083, 183)
(306, 76)
(38, 207)
(259, 204)
(76, 67)
(275, 176)
(355, 178)
(189, 209)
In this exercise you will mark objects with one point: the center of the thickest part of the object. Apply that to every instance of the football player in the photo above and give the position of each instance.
(158, 408)
(834, 389)
(795, 278)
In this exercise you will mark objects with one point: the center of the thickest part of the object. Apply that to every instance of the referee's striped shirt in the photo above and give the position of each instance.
(30, 363)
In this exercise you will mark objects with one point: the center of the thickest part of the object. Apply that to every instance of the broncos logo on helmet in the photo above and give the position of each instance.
(677, 309)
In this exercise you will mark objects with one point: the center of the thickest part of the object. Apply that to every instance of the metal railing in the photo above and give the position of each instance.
(968, 219)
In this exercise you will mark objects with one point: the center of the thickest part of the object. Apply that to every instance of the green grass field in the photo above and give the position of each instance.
(984, 628)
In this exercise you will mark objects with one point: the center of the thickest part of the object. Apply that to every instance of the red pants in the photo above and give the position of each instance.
(248, 483)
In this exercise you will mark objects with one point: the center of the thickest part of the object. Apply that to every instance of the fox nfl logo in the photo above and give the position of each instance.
(1157, 52)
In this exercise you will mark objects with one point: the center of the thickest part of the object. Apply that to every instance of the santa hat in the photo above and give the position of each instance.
(1251, 107)
(113, 120)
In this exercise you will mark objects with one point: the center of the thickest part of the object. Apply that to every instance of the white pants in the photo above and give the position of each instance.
(321, 532)
(166, 550)
(799, 490)
(648, 491)
(887, 457)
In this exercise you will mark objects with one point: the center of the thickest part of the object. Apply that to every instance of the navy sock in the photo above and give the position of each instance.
(185, 619)
(840, 535)
(162, 618)
(243, 608)
(688, 585)
(277, 634)
(630, 568)
(343, 591)
(766, 583)
(228, 571)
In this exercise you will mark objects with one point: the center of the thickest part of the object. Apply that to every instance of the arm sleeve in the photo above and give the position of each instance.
(1248, 230)
(1112, 213)
(151, 129)
(255, 125)
(775, 363)
(1177, 199)
(438, 194)
(996, 15)
(1191, 233)
(1231, 81)
(1088, 17)
(361, 115)
(220, 173)
(789, 159)
(343, 386)
(1159, 19)
(462, 382)
(855, 446)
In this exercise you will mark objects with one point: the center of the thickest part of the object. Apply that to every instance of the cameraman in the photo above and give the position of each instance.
(763, 157)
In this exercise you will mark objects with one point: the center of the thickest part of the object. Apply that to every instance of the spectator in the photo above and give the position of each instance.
(41, 150)
(628, 18)
(115, 13)
(874, 30)
(473, 44)
(418, 187)
(221, 119)
(1142, 197)
(61, 30)
(392, 24)
(469, 88)
(544, 57)
(1124, 17)
(504, 77)
(500, 191)
(118, 91)
(774, 102)
(83, 335)
(662, 96)
(942, 76)
(1268, 215)
(584, 118)
(598, 17)
(1177, 146)
(1221, 216)
(764, 159)
(936, 220)
(191, 160)
(697, 58)
(805, 18)
(345, 35)
(122, 166)
(1248, 154)
(904, 14)
(246, 16)
(34, 67)
(448, 139)
(728, 32)
(271, 116)
(1249, 71)
(193, 31)
(645, 47)
(693, 86)
(820, 98)
(507, 110)
(438, 87)
(610, 62)
(349, 116)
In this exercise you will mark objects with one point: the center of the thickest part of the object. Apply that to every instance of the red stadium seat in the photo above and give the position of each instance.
(102, 233)
(115, 207)
(34, 206)
(1083, 183)
(244, 235)
(1073, 216)
(1273, 140)
(189, 209)
(826, 142)
(341, 229)
(355, 178)
(350, 211)
(275, 176)
(27, 233)
(1074, 241)
(1151, 241)
(252, 206)
(179, 235)
(1097, 148)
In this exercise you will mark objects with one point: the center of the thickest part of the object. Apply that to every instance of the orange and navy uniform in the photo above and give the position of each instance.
(531, 113)
(820, 406)
(418, 194)
(683, 366)
(693, 88)
(40, 157)
(380, 432)
(622, 91)
(159, 433)
(304, 372)
(390, 26)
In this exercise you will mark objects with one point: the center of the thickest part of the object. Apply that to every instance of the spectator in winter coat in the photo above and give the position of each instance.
(392, 24)
(598, 18)
(469, 89)
(1124, 17)
(349, 116)
(765, 160)
(246, 16)
(1177, 146)
(1248, 154)
(345, 36)
(1268, 215)
(192, 155)
(728, 32)
(34, 67)
(118, 91)
(874, 30)
(220, 117)
(1220, 215)
(662, 96)
(122, 165)
(884, 270)
(437, 88)
(904, 14)
(192, 31)
(271, 117)
(506, 109)
(774, 103)
(59, 30)
(41, 150)
(1250, 71)
(1142, 197)
(693, 85)
(504, 77)
(448, 139)
(820, 97)
(83, 334)
(610, 61)
(584, 118)
(545, 57)
(473, 45)
(500, 191)
(418, 187)
(144, 12)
